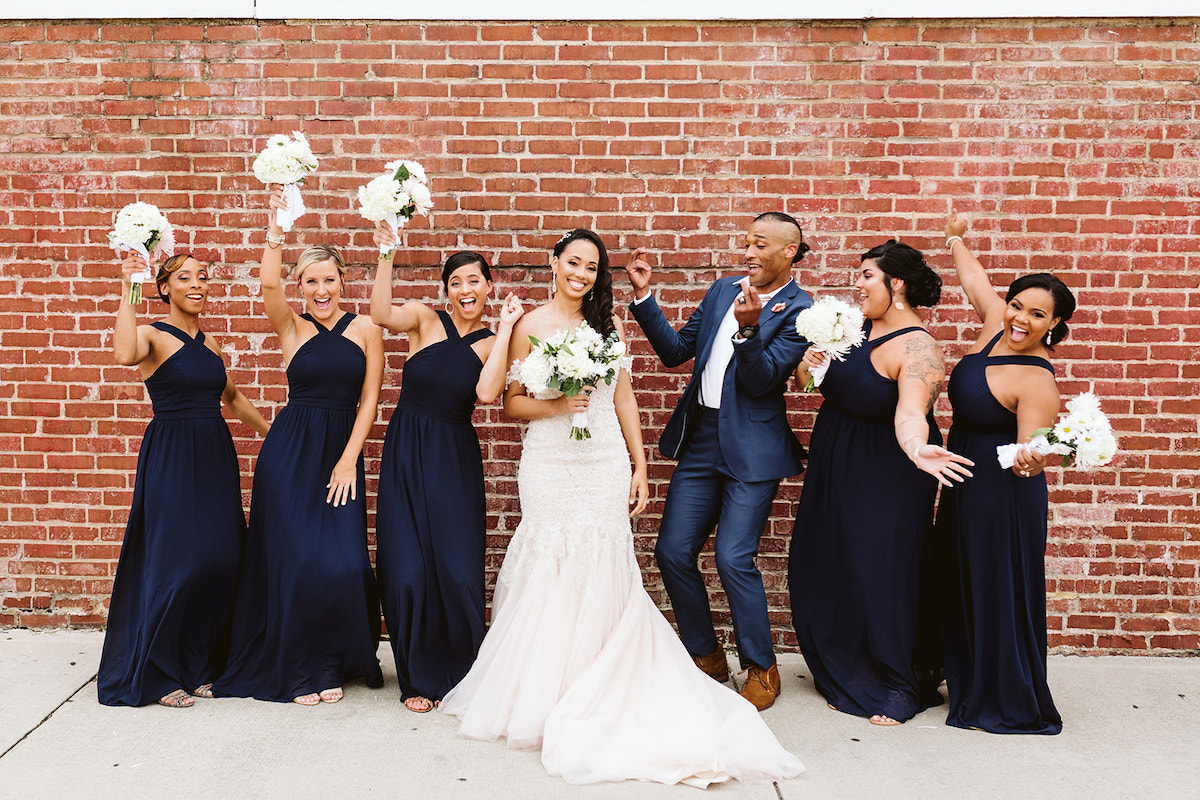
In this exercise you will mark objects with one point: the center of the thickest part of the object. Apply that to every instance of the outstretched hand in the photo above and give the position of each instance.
(638, 270)
(942, 464)
(956, 225)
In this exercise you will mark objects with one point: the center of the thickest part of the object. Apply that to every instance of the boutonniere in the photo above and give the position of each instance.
(780, 306)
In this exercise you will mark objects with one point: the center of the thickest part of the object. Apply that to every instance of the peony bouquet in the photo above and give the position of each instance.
(396, 196)
(834, 327)
(568, 361)
(286, 161)
(1083, 436)
(144, 229)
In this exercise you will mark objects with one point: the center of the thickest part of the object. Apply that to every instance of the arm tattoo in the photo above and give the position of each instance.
(923, 361)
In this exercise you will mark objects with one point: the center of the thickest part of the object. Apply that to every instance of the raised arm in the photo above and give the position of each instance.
(919, 383)
(343, 482)
(630, 420)
(270, 274)
(971, 274)
(491, 378)
(396, 318)
(131, 342)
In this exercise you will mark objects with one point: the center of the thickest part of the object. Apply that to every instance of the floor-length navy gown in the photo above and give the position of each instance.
(307, 613)
(168, 621)
(859, 561)
(990, 546)
(430, 518)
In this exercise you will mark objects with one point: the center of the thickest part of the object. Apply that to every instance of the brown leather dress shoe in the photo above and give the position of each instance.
(714, 665)
(762, 686)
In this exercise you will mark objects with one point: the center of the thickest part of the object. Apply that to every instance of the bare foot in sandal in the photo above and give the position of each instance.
(331, 695)
(204, 690)
(307, 699)
(176, 699)
(418, 705)
(880, 719)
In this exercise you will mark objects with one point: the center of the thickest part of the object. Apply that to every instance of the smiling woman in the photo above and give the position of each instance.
(430, 509)
(307, 616)
(169, 618)
(990, 540)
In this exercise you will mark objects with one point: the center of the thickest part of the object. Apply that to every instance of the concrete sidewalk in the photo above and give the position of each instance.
(1131, 731)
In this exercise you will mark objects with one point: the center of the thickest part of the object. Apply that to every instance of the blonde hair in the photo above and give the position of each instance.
(318, 253)
(167, 267)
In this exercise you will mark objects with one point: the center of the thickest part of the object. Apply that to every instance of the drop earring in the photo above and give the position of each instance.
(1048, 338)
(899, 305)
(553, 283)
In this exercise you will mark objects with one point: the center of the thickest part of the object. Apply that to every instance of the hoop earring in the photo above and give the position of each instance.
(449, 308)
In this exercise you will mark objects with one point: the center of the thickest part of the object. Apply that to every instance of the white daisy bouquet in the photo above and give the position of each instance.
(1083, 436)
(142, 228)
(834, 327)
(568, 361)
(286, 161)
(396, 196)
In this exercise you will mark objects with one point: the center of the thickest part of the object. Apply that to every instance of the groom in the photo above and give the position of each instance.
(731, 437)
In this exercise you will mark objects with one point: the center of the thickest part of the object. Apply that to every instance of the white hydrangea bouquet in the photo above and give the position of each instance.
(142, 228)
(834, 327)
(396, 196)
(286, 161)
(568, 361)
(1083, 436)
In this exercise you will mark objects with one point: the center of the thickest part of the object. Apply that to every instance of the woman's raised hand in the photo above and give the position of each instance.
(956, 225)
(133, 264)
(384, 237)
(510, 311)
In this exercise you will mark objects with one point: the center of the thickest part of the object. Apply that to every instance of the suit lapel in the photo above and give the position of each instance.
(769, 320)
(722, 299)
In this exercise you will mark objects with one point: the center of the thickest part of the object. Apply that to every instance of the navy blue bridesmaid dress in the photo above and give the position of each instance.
(990, 550)
(430, 518)
(168, 620)
(858, 567)
(307, 613)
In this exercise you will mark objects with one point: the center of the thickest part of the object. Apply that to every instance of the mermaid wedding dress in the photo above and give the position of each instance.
(578, 660)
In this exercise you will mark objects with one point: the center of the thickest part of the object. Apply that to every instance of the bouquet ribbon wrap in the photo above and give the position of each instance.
(295, 206)
(1006, 454)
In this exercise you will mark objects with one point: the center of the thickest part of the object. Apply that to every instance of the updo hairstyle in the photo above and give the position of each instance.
(922, 286)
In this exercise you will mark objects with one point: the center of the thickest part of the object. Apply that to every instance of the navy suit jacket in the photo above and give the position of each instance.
(756, 440)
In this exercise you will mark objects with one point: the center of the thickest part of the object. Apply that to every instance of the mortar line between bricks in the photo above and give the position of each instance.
(48, 716)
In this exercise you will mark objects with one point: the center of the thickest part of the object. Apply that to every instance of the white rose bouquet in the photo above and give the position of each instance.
(834, 327)
(396, 196)
(568, 361)
(286, 161)
(1083, 436)
(142, 228)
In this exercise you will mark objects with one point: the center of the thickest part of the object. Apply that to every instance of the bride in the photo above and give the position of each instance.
(578, 660)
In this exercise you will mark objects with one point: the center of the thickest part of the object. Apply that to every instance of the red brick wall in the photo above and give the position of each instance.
(1073, 145)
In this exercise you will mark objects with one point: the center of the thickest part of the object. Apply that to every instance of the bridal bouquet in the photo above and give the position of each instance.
(286, 161)
(1083, 436)
(396, 196)
(568, 361)
(144, 229)
(833, 326)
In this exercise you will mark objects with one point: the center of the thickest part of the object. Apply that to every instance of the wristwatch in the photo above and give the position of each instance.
(747, 331)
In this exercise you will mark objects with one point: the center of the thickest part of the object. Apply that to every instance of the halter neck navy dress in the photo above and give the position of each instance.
(990, 551)
(431, 518)
(307, 614)
(168, 620)
(858, 567)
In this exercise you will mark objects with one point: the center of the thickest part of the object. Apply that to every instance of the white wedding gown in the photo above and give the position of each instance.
(578, 660)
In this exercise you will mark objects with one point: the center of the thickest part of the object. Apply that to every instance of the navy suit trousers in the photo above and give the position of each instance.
(702, 495)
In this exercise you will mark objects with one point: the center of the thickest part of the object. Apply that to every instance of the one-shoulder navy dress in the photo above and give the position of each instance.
(168, 620)
(307, 613)
(859, 563)
(990, 548)
(431, 517)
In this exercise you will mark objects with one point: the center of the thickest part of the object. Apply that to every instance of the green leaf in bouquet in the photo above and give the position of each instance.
(534, 341)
